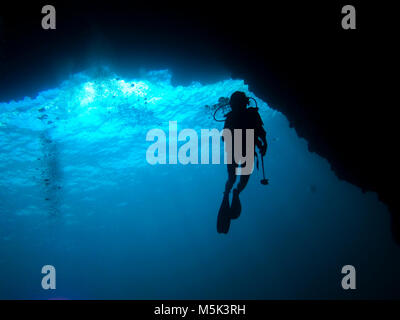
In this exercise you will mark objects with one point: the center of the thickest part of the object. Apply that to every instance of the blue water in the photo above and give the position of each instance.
(76, 192)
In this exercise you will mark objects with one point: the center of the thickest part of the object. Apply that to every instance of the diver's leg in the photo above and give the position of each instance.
(236, 207)
(224, 220)
(244, 179)
(231, 177)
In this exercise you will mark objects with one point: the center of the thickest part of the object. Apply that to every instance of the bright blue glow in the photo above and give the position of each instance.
(116, 227)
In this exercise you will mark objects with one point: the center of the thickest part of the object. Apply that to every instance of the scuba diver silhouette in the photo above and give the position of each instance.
(243, 118)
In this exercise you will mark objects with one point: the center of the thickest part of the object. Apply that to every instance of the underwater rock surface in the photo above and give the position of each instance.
(76, 192)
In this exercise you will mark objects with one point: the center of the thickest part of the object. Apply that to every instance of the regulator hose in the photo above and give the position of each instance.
(215, 112)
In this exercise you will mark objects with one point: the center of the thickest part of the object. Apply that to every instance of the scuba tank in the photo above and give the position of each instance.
(224, 102)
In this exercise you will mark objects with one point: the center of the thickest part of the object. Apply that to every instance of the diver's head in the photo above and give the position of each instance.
(238, 101)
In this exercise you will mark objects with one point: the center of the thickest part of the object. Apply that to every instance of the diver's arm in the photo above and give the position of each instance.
(261, 134)
(264, 147)
(261, 141)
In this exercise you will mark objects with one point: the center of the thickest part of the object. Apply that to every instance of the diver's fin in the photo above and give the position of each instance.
(223, 220)
(236, 207)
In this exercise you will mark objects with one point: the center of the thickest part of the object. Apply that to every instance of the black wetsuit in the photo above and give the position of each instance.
(248, 118)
